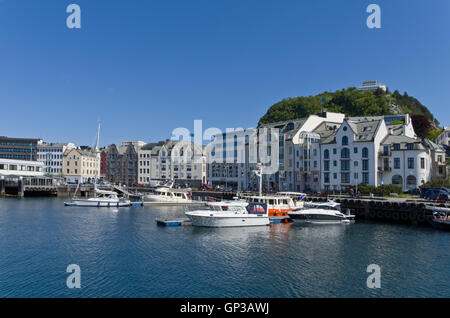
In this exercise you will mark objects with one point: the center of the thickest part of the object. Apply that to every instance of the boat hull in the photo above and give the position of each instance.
(319, 218)
(228, 221)
(440, 224)
(165, 199)
(95, 203)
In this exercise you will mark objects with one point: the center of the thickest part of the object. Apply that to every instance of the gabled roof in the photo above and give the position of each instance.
(364, 128)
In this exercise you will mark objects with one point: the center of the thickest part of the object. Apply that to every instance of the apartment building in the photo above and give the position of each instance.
(444, 137)
(19, 148)
(181, 161)
(122, 162)
(51, 155)
(81, 166)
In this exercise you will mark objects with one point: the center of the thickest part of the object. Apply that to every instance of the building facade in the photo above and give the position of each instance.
(183, 162)
(19, 148)
(81, 166)
(444, 137)
(21, 168)
(51, 154)
(122, 163)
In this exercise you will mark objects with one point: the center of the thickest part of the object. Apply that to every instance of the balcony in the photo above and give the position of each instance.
(384, 153)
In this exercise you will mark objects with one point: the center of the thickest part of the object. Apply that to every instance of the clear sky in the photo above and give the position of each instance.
(144, 68)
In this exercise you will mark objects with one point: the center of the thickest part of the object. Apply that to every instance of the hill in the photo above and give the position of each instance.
(349, 101)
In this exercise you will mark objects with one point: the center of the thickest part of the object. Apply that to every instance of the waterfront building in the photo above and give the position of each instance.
(122, 162)
(371, 85)
(181, 161)
(444, 137)
(349, 157)
(51, 154)
(21, 168)
(299, 157)
(405, 162)
(231, 160)
(19, 148)
(81, 166)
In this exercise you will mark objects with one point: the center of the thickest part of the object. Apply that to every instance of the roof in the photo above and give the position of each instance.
(288, 127)
(364, 128)
(326, 131)
(398, 139)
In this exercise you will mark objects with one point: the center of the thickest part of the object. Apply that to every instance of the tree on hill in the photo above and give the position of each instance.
(421, 125)
(349, 101)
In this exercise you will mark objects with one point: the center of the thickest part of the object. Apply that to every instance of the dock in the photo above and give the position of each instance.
(174, 222)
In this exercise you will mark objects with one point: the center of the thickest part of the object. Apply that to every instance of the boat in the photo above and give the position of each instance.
(230, 214)
(323, 213)
(441, 218)
(103, 198)
(277, 205)
(167, 194)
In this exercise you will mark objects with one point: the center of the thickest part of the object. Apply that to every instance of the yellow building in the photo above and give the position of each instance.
(80, 166)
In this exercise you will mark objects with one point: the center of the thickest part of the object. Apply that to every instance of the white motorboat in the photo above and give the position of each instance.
(230, 214)
(102, 198)
(324, 213)
(167, 194)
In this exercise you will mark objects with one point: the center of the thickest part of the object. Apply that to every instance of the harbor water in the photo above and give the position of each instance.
(123, 253)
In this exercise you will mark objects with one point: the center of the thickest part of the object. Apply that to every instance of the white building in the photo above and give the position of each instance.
(21, 168)
(231, 159)
(444, 137)
(371, 85)
(51, 154)
(405, 162)
(181, 161)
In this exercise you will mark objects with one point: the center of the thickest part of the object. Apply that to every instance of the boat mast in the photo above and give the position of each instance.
(96, 152)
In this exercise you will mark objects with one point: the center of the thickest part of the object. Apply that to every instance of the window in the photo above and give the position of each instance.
(345, 153)
(326, 177)
(365, 165)
(355, 150)
(334, 151)
(410, 146)
(345, 165)
(396, 146)
(410, 163)
(335, 175)
(344, 140)
(396, 163)
(326, 154)
(422, 163)
(365, 178)
(345, 177)
(365, 152)
(326, 165)
(334, 163)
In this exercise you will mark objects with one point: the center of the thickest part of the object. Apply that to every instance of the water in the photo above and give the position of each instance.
(122, 253)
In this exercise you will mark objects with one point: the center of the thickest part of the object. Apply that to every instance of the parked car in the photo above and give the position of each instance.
(205, 187)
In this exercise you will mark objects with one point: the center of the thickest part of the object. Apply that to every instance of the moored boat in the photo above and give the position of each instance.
(277, 205)
(441, 217)
(323, 213)
(230, 214)
(102, 198)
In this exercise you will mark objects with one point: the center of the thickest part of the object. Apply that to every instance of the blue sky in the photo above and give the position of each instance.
(146, 67)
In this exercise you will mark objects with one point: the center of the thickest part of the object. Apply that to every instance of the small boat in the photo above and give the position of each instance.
(323, 213)
(441, 218)
(230, 214)
(103, 198)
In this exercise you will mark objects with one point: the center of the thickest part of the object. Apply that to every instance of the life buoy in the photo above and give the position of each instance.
(395, 216)
(404, 216)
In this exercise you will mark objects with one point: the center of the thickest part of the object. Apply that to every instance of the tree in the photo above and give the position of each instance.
(421, 125)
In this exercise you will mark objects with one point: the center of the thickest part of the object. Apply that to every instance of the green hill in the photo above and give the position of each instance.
(349, 101)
